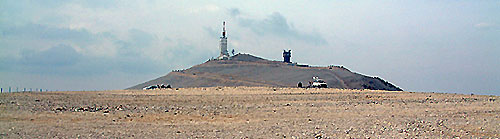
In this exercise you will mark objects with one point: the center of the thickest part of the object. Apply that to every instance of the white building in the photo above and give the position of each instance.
(223, 44)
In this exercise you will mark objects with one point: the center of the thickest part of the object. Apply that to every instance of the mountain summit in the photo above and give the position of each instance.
(249, 70)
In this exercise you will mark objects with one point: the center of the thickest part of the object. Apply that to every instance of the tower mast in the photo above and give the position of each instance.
(224, 29)
(223, 43)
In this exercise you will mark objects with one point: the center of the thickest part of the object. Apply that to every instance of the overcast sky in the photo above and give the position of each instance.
(433, 46)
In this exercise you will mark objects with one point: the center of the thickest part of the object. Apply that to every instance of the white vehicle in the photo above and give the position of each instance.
(319, 83)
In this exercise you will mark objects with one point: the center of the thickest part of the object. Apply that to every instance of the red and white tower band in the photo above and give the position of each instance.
(223, 43)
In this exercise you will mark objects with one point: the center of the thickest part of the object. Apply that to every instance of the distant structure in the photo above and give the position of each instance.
(286, 56)
(223, 44)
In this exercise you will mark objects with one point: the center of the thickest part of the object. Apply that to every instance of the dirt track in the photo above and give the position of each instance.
(247, 112)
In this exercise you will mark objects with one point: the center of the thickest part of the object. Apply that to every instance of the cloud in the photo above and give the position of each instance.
(204, 8)
(57, 56)
(140, 37)
(37, 31)
(136, 44)
(210, 31)
(277, 25)
(234, 12)
(82, 53)
(64, 60)
(60, 60)
(53, 60)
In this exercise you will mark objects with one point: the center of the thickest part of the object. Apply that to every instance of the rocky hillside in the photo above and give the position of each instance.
(248, 70)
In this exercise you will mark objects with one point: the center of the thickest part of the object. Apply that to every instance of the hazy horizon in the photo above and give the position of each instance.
(427, 46)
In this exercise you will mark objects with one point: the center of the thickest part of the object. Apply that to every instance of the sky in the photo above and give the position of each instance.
(449, 46)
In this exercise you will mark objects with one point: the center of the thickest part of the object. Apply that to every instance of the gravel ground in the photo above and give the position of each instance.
(248, 112)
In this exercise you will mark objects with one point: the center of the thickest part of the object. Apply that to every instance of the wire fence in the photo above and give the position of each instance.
(22, 89)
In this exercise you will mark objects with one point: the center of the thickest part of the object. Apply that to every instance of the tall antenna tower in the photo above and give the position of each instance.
(224, 54)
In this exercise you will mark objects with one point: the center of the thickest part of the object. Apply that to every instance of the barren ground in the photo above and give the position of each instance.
(252, 112)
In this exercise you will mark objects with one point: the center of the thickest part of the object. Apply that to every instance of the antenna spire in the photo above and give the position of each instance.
(224, 29)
